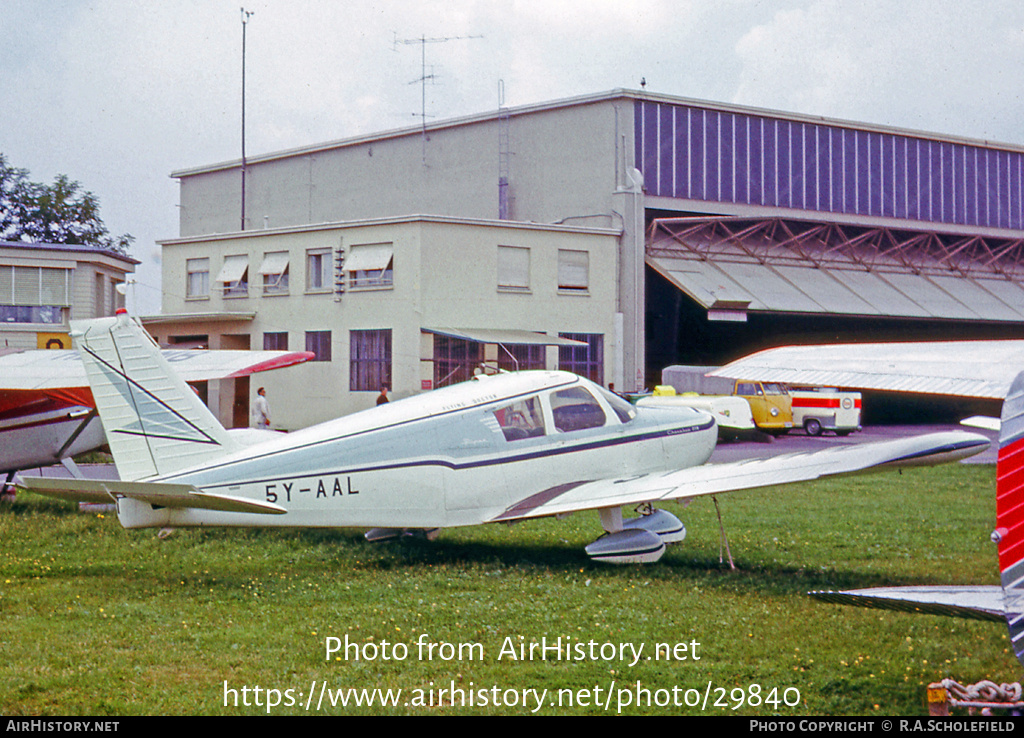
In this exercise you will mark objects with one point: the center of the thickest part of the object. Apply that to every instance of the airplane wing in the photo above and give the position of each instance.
(160, 494)
(43, 370)
(710, 479)
(974, 603)
(983, 369)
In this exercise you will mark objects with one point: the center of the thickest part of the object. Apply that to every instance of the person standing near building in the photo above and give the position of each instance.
(261, 409)
(383, 396)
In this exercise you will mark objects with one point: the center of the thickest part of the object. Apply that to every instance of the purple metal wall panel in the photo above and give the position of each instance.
(681, 165)
(741, 167)
(651, 148)
(711, 155)
(948, 183)
(697, 153)
(769, 162)
(1014, 215)
(755, 168)
(666, 150)
(727, 157)
(888, 167)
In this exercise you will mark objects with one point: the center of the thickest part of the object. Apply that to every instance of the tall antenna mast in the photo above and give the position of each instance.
(245, 20)
(423, 41)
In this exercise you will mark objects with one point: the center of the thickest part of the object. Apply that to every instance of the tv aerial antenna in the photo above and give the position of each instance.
(424, 77)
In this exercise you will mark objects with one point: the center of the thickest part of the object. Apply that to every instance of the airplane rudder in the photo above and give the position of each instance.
(1009, 533)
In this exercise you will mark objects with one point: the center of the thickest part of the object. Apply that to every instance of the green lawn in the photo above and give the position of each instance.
(99, 620)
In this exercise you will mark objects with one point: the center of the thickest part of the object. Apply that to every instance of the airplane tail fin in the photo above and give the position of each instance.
(154, 422)
(1009, 533)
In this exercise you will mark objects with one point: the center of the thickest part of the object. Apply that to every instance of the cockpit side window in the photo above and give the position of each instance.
(522, 419)
(576, 409)
(622, 408)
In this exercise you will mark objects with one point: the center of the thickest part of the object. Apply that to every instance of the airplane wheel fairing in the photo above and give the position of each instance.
(389, 534)
(634, 546)
(813, 427)
(665, 524)
(383, 534)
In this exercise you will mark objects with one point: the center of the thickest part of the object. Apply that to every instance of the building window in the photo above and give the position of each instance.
(274, 271)
(370, 266)
(369, 360)
(318, 270)
(513, 269)
(234, 275)
(197, 278)
(34, 294)
(275, 341)
(43, 314)
(454, 360)
(521, 357)
(573, 270)
(586, 361)
(319, 343)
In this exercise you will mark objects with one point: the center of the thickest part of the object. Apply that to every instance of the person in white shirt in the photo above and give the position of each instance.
(261, 410)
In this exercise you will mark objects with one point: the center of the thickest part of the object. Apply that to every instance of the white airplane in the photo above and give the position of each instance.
(986, 369)
(494, 449)
(47, 413)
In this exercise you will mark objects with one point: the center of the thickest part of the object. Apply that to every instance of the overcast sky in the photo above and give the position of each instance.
(117, 93)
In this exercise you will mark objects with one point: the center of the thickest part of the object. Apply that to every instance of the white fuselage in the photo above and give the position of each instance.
(456, 456)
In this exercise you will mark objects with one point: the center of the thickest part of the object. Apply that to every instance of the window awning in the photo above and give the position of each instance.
(233, 269)
(369, 258)
(503, 336)
(274, 263)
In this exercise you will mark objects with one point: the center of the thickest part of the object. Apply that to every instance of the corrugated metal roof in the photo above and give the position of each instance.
(792, 266)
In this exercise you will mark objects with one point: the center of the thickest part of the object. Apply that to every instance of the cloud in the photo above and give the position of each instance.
(939, 66)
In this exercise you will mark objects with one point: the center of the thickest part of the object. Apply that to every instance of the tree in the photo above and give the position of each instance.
(59, 213)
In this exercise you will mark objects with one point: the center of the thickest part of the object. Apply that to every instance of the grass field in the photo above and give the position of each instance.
(102, 621)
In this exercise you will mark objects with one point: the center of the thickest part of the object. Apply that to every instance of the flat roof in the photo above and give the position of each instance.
(67, 248)
(393, 220)
(587, 99)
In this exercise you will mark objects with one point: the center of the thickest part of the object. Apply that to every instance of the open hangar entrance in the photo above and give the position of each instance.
(719, 288)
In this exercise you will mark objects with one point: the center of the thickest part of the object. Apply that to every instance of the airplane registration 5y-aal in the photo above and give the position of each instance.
(494, 449)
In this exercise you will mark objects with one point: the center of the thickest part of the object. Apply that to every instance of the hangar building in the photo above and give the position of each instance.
(648, 229)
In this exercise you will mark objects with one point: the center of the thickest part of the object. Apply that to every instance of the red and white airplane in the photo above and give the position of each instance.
(494, 449)
(47, 412)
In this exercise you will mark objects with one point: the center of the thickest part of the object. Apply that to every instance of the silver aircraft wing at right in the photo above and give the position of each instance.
(710, 479)
(983, 369)
(981, 602)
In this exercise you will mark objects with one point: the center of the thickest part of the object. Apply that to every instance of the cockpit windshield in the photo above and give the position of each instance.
(575, 409)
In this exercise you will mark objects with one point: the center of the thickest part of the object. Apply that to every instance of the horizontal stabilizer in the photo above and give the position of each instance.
(158, 494)
(974, 603)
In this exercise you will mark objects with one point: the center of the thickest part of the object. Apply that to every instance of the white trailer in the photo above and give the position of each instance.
(822, 409)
